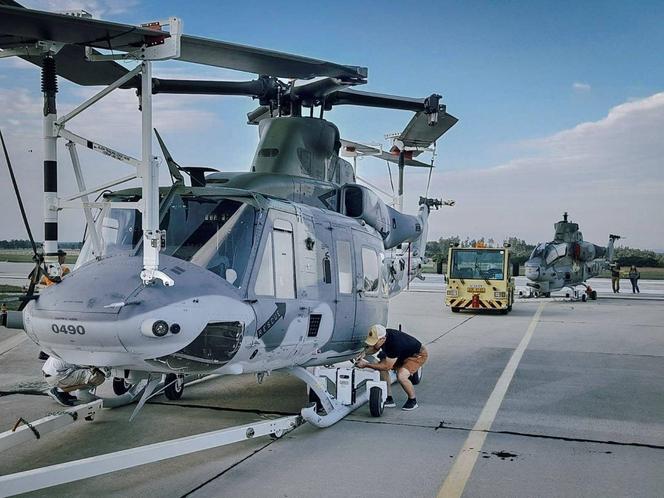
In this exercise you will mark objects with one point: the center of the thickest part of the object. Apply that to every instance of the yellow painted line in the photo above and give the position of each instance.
(465, 460)
(12, 342)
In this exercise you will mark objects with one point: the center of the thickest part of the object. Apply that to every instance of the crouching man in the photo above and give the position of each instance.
(399, 352)
(65, 377)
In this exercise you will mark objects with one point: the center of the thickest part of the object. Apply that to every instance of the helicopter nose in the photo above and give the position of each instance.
(103, 315)
(533, 272)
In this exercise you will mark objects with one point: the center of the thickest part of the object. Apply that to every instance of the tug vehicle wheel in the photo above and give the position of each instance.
(416, 378)
(120, 386)
(175, 387)
(376, 401)
(584, 298)
(593, 295)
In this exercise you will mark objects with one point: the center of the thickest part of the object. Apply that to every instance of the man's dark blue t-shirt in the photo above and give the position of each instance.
(399, 345)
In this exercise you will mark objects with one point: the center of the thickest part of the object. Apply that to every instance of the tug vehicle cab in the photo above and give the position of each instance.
(479, 278)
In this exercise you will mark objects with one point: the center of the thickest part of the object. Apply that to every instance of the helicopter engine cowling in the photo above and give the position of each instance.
(362, 203)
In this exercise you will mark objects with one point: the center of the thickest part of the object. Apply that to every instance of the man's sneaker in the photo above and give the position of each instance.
(411, 404)
(389, 402)
(59, 397)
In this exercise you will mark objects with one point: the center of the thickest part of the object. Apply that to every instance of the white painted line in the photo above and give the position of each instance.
(465, 460)
(12, 342)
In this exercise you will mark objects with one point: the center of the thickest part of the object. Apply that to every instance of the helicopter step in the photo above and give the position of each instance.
(352, 387)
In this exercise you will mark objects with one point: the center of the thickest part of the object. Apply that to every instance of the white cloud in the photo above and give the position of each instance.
(114, 121)
(98, 8)
(578, 86)
(609, 175)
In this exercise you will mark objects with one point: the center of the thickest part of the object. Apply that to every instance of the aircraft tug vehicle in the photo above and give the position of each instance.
(479, 278)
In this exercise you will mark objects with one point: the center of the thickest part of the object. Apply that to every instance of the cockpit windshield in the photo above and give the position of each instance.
(549, 252)
(538, 252)
(480, 264)
(216, 234)
(554, 252)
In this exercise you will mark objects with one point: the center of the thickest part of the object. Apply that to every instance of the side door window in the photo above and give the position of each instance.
(276, 275)
(265, 279)
(370, 271)
(345, 267)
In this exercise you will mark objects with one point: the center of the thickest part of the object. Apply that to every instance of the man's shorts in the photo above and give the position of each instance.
(83, 378)
(413, 363)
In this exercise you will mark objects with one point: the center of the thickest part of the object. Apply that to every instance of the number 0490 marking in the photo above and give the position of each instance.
(68, 329)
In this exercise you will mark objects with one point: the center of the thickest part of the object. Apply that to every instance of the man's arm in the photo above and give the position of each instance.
(385, 364)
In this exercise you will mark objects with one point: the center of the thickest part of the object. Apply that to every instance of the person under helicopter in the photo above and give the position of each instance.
(63, 378)
(397, 351)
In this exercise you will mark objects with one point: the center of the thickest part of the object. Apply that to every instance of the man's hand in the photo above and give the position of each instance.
(361, 363)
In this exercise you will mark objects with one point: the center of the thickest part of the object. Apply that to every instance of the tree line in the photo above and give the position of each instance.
(25, 244)
(437, 250)
(521, 250)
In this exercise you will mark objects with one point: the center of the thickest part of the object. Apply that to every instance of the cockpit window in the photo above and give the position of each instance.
(538, 252)
(555, 251)
(216, 234)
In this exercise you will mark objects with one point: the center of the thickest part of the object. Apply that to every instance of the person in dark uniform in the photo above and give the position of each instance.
(634, 276)
(399, 352)
(615, 278)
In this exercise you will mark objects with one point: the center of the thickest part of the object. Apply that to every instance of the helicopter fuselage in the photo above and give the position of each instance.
(260, 284)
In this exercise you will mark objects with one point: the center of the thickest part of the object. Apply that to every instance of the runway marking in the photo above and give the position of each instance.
(465, 460)
(12, 342)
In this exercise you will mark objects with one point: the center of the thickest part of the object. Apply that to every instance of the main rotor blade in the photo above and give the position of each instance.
(314, 92)
(356, 149)
(24, 27)
(21, 27)
(368, 99)
(418, 132)
(255, 88)
(263, 61)
(173, 167)
(71, 63)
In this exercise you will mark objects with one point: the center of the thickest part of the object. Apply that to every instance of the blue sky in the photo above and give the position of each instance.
(516, 74)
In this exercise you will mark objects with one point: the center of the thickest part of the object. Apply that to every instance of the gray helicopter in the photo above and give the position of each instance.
(567, 262)
(281, 267)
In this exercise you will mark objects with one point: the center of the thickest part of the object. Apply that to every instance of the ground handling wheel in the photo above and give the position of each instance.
(120, 386)
(455, 309)
(376, 401)
(175, 386)
(416, 378)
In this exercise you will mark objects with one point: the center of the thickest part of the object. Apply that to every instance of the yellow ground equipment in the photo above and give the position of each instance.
(479, 278)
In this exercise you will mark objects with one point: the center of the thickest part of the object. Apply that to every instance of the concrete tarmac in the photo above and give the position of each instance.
(582, 415)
